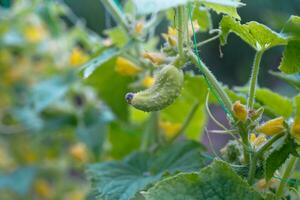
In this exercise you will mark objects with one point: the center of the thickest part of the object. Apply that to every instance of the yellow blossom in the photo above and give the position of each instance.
(126, 68)
(139, 26)
(171, 36)
(79, 152)
(43, 189)
(77, 57)
(148, 81)
(239, 111)
(75, 195)
(257, 141)
(169, 128)
(34, 33)
(252, 137)
(172, 31)
(154, 57)
(272, 127)
(295, 128)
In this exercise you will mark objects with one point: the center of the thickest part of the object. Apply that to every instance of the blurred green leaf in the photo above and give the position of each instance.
(202, 15)
(123, 179)
(256, 35)
(291, 29)
(19, 181)
(98, 61)
(194, 89)
(111, 87)
(290, 62)
(217, 181)
(292, 79)
(297, 105)
(118, 36)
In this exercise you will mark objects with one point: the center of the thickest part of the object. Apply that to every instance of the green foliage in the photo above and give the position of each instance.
(258, 36)
(291, 29)
(217, 181)
(278, 157)
(297, 105)
(202, 15)
(121, 180)
(118, 36)
(290, 62)
(292, 79)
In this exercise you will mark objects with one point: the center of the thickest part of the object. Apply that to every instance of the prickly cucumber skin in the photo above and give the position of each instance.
(166, 89)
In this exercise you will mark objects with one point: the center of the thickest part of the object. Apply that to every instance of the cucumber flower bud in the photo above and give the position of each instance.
(239, 111)
(272, 127)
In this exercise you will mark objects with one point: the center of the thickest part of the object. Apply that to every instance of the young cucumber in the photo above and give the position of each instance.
(166, 89)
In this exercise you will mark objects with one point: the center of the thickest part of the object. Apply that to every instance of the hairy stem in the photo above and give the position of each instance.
(212, 80)
(180, 29)
(187, 121)
(253, 78)
(286, 174)
(118, 16)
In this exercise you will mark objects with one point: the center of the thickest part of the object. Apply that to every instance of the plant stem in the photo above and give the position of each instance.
(150, 135)
(212, 80)
(287, 172)
(118, 16)
(209, 39)
(253, 78)
(255, 155)
(180, 29)
(187, 121)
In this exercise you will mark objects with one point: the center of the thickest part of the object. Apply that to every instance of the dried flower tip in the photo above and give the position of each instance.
(139, 26)
(272, 127)
(239, 111)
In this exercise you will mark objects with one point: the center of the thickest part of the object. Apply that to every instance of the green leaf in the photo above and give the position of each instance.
(121, 180)
(271, 100)
(98, 61)
(118, 36)
(290, 62)
(291, 29)
(278, 156)
(217, 181)
(19, 181)
(111, 87)
(297, 105)
(256, 35)
(228, 7)
(292, 79)
(194, 89)
(202, 15)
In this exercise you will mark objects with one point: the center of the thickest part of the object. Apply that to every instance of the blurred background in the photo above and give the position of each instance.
(42, 43)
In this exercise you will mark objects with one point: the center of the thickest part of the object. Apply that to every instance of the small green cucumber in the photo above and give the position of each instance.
(166, 88)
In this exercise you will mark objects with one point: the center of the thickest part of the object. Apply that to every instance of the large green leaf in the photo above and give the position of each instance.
(112, 87)
(291, 29)
(151, 6)
(290, 62)
(118, 36)
(194, 89)
(256, 35)
(278, 156)
(121, 180)
(292, 79)
(217, 181)
(228, 7)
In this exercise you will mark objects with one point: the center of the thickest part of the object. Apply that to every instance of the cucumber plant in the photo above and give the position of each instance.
(175, 86)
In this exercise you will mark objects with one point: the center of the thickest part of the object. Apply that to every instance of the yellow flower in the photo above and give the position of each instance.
(172, 31)
(34, 33)
(169, 128)
(295, 128)
(126, 68)
(171, 36)
(43, 189)
(156, 58)
(148, 81)
(77, 57)
(239, 111)
(139, 26)
(257, 141)
(79, 152)
(272, 127)
(75, 195)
